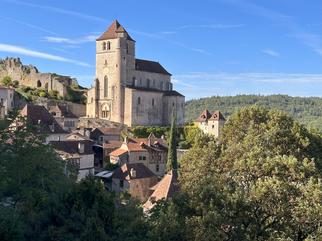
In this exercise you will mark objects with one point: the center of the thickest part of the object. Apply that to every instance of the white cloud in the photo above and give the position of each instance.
(63, 40)
(24, 51)
(270, 52)
(57, 10)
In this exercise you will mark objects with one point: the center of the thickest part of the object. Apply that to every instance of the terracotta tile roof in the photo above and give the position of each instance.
(217, 115)
(150, 66)
(205, 115)
(118, 152)
(124, 172)
(71, 146)
(39, 116)
(113, 32)
(165, 189)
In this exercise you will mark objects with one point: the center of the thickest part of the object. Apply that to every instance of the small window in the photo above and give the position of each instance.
(121, 183)
(152, 102)
(157, 168)
(108, 45)
(172, 103)
(139, 100)
(143, 158)
(213, 126)
(101, 138)
(104, 46)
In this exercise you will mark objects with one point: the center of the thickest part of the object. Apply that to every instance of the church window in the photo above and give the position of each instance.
(161, 85)
(104, 46)
(148, 83)
(172, 103)
(139, 100)
(105, 86)
(157, 167)
(108, 45)
(152, 102)
(133, 81)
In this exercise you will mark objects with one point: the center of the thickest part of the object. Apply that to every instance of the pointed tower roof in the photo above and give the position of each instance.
(113, 32)
(205, 115)
(217, 115)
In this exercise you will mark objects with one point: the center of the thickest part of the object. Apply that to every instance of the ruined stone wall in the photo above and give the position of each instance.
(29, 75)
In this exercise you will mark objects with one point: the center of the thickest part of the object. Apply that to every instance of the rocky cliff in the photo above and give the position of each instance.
(28, 75)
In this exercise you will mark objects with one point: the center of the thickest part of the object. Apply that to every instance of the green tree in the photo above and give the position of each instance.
(6, 81)
(262, 182)
(172, 163)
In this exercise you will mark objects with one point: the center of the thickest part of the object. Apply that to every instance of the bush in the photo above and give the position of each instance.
(6, 81)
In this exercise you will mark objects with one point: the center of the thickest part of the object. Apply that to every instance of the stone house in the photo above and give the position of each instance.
(65, 118)
(105, 134)
(44, 122)
(78, 153)
(7, 100)
(136, 179)
(151, 152)
(128, 90)
(211, 123)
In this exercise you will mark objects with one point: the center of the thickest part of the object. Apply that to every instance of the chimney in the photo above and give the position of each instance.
(133, 173)
(126, 140)
(81, 147)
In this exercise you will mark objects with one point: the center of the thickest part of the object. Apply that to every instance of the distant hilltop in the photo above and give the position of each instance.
(28, 75)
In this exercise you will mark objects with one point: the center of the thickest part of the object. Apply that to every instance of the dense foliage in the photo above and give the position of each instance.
(307, 111)
(261, 181)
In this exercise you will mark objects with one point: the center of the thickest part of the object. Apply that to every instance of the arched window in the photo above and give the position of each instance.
(104, 46)
(133, 81)
(105, 86)
(152, 102)
(161, 85)
(38, 84)
(148, 83)
(139, 100)
(108, 45)
(153, 83)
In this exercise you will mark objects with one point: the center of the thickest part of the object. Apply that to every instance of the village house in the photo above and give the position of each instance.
(151, 152)
(78, 153)
(65, 118)
(104, 134)
(44, 123)
(6, 100)
(135, 178)
(163, 190)
(211, 123)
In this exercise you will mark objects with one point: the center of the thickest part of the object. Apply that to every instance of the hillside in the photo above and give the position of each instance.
(306, 110)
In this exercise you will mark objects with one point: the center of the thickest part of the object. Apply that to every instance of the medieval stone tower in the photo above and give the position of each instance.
(129, 90)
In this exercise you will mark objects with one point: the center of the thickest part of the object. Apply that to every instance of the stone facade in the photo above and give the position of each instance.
(7, 100)
(128, 90)
(211, 123)
(29, 75)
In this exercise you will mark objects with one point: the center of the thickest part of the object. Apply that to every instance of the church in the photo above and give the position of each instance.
(128, 90)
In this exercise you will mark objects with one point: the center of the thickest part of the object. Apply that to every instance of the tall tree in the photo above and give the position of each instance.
(172, 163)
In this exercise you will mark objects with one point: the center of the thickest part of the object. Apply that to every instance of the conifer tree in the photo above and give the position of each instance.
(172, 163)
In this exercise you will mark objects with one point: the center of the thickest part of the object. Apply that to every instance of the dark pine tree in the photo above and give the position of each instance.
(172, 163)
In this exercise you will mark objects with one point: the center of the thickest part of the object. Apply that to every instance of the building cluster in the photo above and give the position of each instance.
(211, 124)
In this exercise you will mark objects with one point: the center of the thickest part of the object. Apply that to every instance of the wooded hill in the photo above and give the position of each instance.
(307, 110)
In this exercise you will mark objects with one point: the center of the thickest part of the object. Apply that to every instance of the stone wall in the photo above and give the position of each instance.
(29, 75)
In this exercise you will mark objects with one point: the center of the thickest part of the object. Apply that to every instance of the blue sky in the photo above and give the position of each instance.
(212, 47)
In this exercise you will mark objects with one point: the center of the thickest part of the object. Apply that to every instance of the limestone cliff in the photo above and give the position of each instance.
(29, 75)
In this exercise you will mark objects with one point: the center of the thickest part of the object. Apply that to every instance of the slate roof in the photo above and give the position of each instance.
(113, 30)
(71, 146)
(124, 172)
(164, 92)
(150, 66)
(39, 116)
(63, 110)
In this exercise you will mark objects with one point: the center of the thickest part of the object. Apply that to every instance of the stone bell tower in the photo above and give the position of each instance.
(115, 57)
